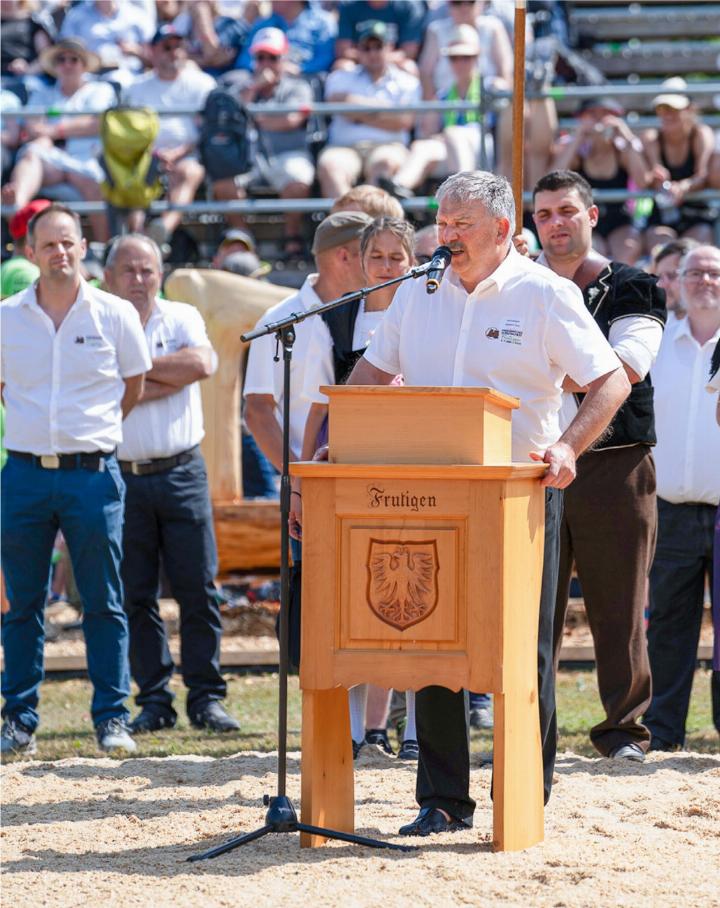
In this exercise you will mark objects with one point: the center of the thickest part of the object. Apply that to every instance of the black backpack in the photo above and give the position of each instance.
(225, 145)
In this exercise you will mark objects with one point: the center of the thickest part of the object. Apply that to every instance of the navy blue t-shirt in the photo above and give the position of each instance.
(404, 19)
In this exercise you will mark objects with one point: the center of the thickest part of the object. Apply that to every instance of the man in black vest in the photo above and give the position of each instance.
(609, 523)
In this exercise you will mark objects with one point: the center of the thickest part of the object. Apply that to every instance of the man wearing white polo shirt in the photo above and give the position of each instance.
(168, 515)
(687, 457)
(73, 360)
(502, 321)
(336, 249)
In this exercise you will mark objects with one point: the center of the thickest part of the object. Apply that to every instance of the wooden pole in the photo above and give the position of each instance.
(518, 112)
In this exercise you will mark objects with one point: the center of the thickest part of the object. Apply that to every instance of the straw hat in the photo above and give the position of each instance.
(48, 58)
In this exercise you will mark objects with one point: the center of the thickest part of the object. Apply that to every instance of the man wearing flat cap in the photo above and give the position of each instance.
(336, 248)
(63, 150)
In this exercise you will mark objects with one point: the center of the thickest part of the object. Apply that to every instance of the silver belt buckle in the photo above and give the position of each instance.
(50, 461)
(135, 466)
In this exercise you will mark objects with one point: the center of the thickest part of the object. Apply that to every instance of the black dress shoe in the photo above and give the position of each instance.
(213, 716)
(378, 737)
(431, 820)
(659, 744)
(148, 720)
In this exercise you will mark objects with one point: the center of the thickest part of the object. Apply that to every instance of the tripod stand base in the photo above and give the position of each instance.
(281, 817)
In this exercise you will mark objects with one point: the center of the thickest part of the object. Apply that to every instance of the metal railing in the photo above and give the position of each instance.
(327, 108)
(413, 205)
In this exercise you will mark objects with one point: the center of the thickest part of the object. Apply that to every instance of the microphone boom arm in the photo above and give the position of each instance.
(295, 317)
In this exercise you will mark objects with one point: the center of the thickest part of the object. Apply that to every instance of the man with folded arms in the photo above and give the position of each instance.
(168, 515)
(73, 360)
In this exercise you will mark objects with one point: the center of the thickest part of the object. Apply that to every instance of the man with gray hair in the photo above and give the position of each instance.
(168, 515)
(688, 490)
(497, 320)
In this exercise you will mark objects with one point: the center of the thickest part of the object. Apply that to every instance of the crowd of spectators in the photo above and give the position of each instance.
(375, 54)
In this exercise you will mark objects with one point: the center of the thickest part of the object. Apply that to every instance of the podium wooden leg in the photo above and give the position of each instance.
(327, 784)
(518, 812)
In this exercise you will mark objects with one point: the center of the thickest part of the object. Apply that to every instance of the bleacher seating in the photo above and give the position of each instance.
(636, 44)
(648, 39)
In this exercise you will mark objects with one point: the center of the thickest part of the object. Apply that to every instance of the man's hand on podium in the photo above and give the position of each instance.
(561, 458)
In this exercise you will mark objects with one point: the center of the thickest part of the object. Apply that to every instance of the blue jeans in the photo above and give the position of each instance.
(259, 476)
(677, 583)
(88, 507)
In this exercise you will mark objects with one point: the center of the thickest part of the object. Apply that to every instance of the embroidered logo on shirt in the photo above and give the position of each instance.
(93, 340)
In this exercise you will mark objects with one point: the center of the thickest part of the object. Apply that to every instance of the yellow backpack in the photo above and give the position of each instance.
(131, 170)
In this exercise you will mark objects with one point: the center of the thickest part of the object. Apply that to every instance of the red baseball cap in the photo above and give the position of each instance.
(271, 40)
(18, 223)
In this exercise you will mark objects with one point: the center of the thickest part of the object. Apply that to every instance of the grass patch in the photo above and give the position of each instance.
(66, 729)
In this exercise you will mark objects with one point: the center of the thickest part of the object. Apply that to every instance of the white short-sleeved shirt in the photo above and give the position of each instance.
(395, 87)
(687, 454)
(91, 97)
(63, 388)
(189, 90)
(520, 331)
(264, 376)
(321, 370)
(169, 425)
(103, 33)
(636, 341)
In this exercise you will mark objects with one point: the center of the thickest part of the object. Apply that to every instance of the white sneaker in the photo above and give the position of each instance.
(16, 739)
(481, 717)
(114, 735)
(632, 752)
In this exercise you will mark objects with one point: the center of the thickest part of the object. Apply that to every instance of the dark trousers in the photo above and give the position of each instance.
(168, 515)
(677, 586)
(443, 776)
(608, 530)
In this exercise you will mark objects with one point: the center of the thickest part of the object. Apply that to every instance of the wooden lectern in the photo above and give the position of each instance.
(422, 564)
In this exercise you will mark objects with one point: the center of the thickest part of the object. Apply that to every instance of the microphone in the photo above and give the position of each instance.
(438, 263)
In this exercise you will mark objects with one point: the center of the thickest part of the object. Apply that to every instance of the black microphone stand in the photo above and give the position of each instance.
(281, 815)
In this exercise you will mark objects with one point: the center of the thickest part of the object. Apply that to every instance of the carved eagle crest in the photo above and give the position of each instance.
(402, 581)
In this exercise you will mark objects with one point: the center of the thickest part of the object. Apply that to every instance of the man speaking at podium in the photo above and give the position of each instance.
(497, 320)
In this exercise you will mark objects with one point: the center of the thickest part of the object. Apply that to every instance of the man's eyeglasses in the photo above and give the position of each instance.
(696, 274)
(267, 58)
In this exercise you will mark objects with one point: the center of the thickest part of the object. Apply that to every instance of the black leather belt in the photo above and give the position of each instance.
(158, 464)
(93, 460)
